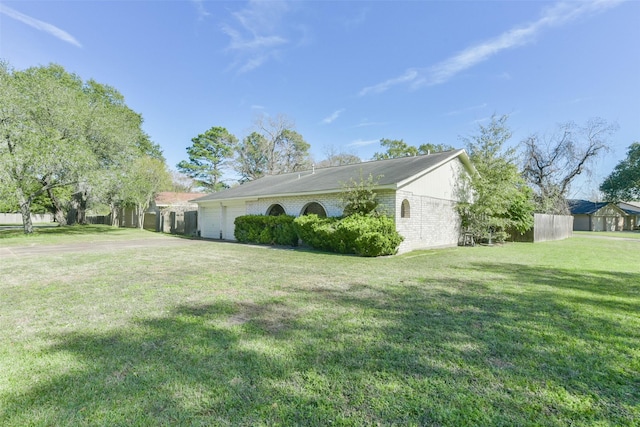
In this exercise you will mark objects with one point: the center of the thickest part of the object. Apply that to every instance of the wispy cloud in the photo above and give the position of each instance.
(39, 25)
(351, 22)
(366, 123)
(256, 35)
(202, 12)
(559, 14)
(330, 119)
(466, 110)
(408, 77)
(362, 143)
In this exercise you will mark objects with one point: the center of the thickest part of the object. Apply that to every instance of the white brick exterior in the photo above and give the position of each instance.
(432, 221)
(295, 205)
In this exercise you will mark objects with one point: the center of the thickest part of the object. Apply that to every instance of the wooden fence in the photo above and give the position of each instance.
(545, 228)
(174, 222)
(178, 222)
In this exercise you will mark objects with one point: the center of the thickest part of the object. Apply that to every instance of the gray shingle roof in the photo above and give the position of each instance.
(389, 173)
(584, 207)
(629, 208)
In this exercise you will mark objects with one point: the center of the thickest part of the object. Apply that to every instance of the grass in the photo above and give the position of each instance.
(615, 234)
(49, 235)
(223, 334)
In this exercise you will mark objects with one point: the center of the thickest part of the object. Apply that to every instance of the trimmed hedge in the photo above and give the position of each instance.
(263, 229)
(365, 235)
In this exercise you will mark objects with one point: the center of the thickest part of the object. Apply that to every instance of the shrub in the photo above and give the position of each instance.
(315, 231)
(364, 235)
(271, 230)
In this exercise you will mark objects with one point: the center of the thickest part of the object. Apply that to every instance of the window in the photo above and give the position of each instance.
(405, 209)
(275, 210)
(314, 208)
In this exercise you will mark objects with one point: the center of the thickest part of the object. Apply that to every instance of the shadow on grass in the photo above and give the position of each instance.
(452, 352)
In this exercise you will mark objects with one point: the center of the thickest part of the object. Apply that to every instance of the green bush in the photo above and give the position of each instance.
(315, 231)
(365, 235)
(270, 230)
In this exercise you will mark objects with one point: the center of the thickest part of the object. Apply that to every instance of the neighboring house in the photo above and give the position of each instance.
(596, 216)
(157, 217)
(632, 209)
(419, 192)
(166, 212)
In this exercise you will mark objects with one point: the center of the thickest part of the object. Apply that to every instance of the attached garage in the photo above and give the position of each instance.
(217, 219)
(229, 214)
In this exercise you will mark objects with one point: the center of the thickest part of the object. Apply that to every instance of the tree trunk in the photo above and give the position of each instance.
(81, 206)
(140, 217)
(58, 212)
(25, 210)
(115, 218)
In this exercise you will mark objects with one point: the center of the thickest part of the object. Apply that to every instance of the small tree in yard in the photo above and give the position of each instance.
(358, 197)
(497, 198)
(146, 178)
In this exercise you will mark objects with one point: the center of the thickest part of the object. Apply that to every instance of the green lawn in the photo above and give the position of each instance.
(523, 334)
(615, 234)
(49, 234)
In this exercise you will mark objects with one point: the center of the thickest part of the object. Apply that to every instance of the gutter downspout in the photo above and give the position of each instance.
(221, 219)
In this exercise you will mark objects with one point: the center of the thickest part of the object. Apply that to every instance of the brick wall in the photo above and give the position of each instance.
(294, 205)
(432, 222)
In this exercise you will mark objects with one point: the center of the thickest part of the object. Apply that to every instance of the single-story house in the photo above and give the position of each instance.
(596, 216)
(632, 209)
(419, 192)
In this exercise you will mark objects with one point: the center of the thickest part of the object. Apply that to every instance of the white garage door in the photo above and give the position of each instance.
(209, 221)
(229, 215)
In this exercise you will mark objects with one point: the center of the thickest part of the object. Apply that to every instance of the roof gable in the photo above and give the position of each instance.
(388, 174)
(585, 207)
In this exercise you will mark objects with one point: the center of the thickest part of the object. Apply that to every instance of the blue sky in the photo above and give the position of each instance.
(347, 73)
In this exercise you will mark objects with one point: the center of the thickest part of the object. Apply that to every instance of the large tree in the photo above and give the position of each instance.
(398, 148)
(273, 148)
(552, 163)
(251, 160)
(338, 158)
(114, 133)
(42, 119)
(624, 182)
(496, 199)
(58, 132)
(209, 154)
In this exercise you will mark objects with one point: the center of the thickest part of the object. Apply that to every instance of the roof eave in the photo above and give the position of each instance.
(296, 194)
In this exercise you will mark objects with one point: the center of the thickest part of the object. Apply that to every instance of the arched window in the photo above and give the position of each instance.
(314, 208)
(405, 209)
(275, 210)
